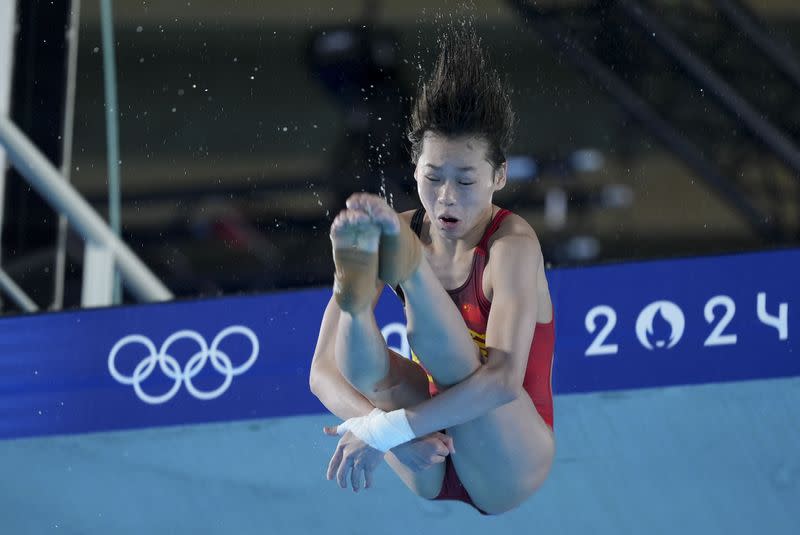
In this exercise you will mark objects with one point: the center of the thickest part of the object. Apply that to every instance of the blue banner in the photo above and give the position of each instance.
(617, 327)
(676, 322)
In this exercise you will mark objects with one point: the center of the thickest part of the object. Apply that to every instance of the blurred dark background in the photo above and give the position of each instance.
(647, 129)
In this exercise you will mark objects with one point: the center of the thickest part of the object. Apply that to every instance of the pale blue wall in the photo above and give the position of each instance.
(720, 458)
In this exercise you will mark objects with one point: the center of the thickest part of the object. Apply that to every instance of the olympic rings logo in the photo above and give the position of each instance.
(170, 367)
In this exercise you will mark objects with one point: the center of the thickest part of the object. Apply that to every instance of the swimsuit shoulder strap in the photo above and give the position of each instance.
(492, 228)
(416, 221)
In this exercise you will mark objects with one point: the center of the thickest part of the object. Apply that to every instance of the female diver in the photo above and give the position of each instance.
(470, 418)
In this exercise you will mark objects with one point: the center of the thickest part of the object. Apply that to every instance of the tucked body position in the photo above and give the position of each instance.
(470, 416)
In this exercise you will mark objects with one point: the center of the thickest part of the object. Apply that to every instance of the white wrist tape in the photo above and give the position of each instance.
(381, 430)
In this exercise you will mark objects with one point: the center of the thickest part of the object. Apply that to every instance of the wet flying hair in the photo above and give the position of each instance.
(464, 96)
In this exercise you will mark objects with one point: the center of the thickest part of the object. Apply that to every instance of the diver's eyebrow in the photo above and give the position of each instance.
(467, 168)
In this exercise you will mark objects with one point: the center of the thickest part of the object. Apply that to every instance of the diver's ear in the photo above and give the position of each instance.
(501, 176)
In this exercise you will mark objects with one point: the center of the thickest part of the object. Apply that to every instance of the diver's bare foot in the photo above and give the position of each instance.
(400, 249)
(378, 210)
(355, 239)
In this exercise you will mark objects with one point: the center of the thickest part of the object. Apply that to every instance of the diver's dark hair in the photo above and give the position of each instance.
(464, 95)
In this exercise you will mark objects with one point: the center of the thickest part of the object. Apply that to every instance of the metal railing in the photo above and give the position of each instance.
(104, 251)
(63, 197)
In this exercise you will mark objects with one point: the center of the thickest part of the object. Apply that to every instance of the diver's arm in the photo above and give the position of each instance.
(509, 335)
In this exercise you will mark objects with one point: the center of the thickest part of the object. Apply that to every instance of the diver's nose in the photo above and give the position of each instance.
(447, 194)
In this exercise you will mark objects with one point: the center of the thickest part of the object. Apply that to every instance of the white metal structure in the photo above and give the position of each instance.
(63, 197)
(104, 249)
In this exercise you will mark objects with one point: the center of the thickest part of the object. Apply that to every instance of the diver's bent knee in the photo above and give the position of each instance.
(402, 386)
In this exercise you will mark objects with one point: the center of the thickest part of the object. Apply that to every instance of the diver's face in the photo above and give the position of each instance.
(456, 182)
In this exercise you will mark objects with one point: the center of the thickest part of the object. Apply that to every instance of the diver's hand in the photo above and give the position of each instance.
(422, 453)
(353, 459)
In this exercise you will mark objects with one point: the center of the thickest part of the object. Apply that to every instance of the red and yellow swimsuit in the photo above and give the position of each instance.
(474, 308)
